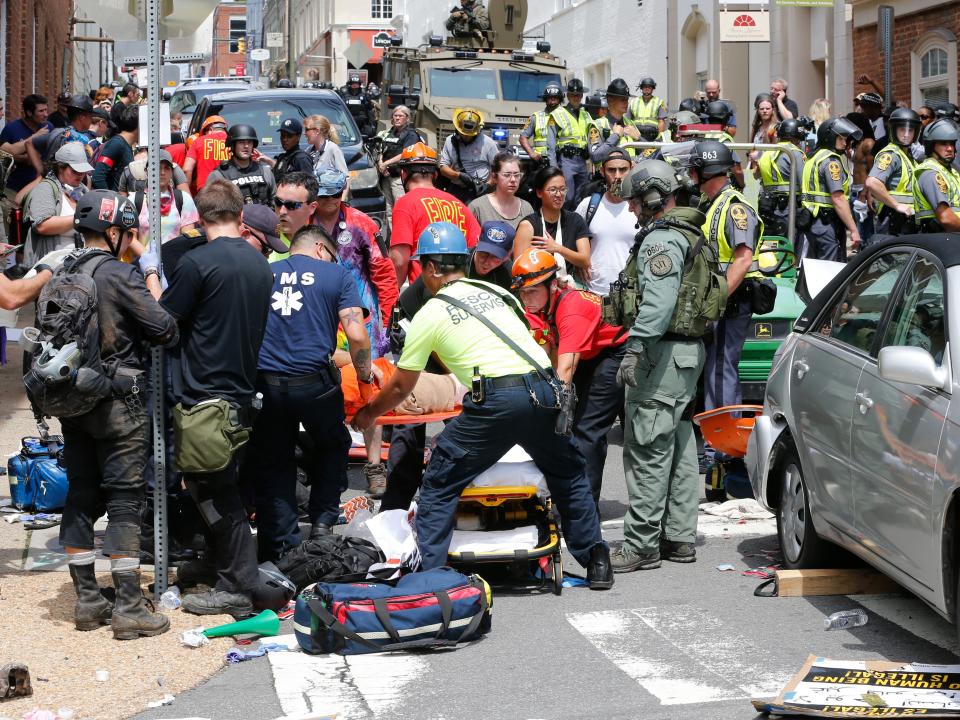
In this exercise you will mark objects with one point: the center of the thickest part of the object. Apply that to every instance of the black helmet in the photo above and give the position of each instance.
(790, 129)
(946, 110)
(832, 128)
(354, 80)
(80, 102)
(592, 102)
(274, 590)
(242, 132)
(942, 130)
(690, 105)
(647, 82)
(284, 83)
(717, 112)
(552, 90)
(903, 117)
(711, 158)
(575, 86)
(648, 133)
(98, 210)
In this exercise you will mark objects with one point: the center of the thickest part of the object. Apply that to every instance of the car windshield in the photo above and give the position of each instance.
(525, 86)
(267, 114)
(185, 101)
(469, 84)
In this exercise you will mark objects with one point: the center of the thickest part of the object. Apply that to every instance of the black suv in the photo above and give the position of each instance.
(266, 109)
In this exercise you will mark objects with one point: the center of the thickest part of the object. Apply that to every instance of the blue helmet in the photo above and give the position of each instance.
(331, 181)
(442, 238)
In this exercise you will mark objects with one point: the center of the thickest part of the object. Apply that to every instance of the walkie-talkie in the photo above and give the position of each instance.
(476, 387)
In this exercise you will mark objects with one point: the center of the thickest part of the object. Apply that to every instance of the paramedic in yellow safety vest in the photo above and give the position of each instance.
(719, 113)
(615, 128)
(936, 183)
(825, 191)
(539, 137)
(734, 229)
(773, 170)
(573, 123)
(891, 177)
(647, 108)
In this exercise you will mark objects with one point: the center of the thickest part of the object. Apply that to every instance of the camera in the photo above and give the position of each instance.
(805, 122)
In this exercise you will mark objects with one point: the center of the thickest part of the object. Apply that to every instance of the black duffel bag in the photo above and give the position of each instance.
(329, 558)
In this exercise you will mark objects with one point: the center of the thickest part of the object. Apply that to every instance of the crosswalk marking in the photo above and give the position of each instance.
(680, 654)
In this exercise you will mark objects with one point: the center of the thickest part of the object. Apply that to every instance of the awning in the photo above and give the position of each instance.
(366, 37)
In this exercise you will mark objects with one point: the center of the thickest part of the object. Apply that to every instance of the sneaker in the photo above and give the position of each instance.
(625, 560)
(678, 552)
(219, 602)
(376, 475)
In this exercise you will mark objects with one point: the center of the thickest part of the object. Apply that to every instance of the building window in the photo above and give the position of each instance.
(934, 69)
(381, 9)
(238, 34)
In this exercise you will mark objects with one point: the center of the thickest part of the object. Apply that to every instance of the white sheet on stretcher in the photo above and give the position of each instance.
(514, 468)
(522, 538)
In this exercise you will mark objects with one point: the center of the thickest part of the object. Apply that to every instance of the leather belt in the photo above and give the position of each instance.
(294, 380)
(509, 381)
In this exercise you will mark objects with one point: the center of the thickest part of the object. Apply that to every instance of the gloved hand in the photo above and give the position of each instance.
(52, 261)
(150, 261)
(466, 180)
(627, 374)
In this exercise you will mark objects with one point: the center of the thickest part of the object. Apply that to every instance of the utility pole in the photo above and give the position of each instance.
(291, 60)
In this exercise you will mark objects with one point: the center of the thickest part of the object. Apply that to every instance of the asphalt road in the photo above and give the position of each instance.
(685, 642)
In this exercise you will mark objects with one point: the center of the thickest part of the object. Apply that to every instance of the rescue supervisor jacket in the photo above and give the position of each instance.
(255, 182)
(813, 196)
(902, 190)
(948, 182)
(715, 227)
(772, 179)
(571, 129)
(646, 113)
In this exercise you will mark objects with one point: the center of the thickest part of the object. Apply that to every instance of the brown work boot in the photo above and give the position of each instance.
(376, 475)
(133, 614)
(92, 609)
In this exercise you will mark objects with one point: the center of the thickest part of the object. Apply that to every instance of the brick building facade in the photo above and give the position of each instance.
(229, 26)
(924, 51)
(37, 33)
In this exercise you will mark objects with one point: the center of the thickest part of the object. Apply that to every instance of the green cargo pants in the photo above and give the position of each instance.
(659, 449)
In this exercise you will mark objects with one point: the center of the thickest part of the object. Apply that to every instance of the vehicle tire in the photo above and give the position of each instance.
(799, 542)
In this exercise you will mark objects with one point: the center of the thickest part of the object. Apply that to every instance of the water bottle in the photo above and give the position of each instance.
(170, 600)
(845, 620)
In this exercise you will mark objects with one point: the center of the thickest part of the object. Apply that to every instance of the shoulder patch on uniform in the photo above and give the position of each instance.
(648, 152)
(660, 264)
(654, 248)
(834, 169)
(941, 183)
(594, 135)
(884, 160)
(739, 215)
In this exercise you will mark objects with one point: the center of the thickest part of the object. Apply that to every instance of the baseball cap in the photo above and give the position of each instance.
(870, 98)
(99, 112)
(617, 154)
(265, 220)
(291, 126)
(331, 182)
(496, 238)
(165, 157)
(74, 154)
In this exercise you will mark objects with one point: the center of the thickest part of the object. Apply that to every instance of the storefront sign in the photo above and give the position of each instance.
(744, 26)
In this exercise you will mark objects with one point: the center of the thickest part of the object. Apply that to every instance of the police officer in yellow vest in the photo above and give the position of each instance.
(647, 108)
(936, 183)
(891, 177)
(573, 123)
(773, 169)
(719, 113)
(539, 137)
(615, 128)
(826, 192)
(734, 229)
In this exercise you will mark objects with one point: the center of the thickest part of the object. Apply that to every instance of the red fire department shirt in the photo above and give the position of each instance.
(208, 151)
(422, 206)
(579, 328)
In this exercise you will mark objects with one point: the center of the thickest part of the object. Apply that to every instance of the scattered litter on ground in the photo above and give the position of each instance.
(15, 681)
(726, 567)
(194, 637)
(287, 611)
(764, 571)
(165, 700)
(236, 655)
(845, 620)
(102, 675)
(743, 509)
(572, 581)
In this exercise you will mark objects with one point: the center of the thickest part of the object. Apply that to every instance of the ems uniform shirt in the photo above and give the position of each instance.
(462, 342)
(22, 173)
(207, 151)
(220, 295)
(613, 228)
(301, 332)
(113, 160)
(474, 158)
(580, 328)
(934, 188)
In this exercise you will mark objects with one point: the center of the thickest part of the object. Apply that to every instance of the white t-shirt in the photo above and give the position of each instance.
(613, 228)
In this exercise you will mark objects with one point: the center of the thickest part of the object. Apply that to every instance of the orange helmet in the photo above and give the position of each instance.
(532, 268)
(212, 120)
(190, 139)
(418, 154)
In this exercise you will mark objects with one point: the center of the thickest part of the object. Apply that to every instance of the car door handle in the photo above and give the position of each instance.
(864, 402)
(800, 368)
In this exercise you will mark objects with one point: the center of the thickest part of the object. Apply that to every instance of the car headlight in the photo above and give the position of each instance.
(364, 179)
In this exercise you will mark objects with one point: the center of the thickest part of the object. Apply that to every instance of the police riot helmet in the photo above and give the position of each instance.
(685, 117)
(790, 129)
(650, 182)
(904, 117)
(689, 105)
(946, 110)
(274, 589)
(717, 112)
(553, 90)
(711, 158)
(575, 86)
(648, 133)
(284, 83)
(241, 132)
(533, 267)
(442, 239)
(647, 82)
(354, 80)
(832, 128)
(942, 130)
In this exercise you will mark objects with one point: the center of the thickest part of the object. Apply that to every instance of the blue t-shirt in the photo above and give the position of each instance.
(22, 173)
(308, 295)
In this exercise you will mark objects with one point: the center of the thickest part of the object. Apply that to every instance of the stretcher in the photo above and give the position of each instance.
(359, 452)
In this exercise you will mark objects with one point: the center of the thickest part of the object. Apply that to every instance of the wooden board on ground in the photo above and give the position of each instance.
(859, 581)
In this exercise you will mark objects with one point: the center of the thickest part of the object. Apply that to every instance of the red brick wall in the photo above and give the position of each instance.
(43, 62)
(908, 29)
(223, 59)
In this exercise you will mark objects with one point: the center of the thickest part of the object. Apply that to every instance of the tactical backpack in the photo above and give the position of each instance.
(703, 286)
(329, 558)
(66, 376)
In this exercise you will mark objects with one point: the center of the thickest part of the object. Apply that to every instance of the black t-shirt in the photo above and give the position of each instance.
(58, 119)
(220, 294)
(572, 225)
(174, 249)
(500, 275)
(114, 158)
(295, 160)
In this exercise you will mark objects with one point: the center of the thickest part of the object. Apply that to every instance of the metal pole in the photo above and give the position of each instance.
(291, 75)
(157, 394)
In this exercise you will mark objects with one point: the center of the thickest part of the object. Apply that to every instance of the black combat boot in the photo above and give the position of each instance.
(92, 609)
(133, 614)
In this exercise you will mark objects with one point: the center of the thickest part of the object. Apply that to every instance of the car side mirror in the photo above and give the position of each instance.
(413, 101)
(900, 363)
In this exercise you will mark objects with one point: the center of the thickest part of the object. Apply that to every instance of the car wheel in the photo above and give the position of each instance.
(799, 542)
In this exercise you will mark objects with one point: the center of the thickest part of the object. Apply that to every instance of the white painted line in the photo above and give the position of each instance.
(914, 616)
(680, 654)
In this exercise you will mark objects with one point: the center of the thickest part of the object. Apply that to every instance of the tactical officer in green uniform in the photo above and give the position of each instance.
(773, 169)
(469, 24)
(891, 177)
(826, 192)
(663, 360)
(539, 137)
(936, 183)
